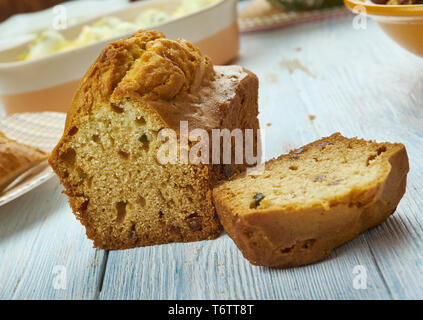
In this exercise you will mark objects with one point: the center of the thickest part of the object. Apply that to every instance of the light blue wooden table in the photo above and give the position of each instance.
(354, 81)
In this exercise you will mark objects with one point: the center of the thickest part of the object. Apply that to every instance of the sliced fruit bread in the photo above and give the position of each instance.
(312, 200)
(108, 157)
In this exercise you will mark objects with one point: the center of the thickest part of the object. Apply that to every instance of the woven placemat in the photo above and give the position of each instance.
(260, 15)
(42, 130)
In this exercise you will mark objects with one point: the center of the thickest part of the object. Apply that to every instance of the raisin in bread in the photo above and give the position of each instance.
(15, 159)
(312, 200)
(107, 157)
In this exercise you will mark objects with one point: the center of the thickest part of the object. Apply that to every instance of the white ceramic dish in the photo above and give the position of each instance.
(48, 83)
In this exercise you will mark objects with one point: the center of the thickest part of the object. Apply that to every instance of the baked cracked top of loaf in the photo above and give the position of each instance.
(172, 75)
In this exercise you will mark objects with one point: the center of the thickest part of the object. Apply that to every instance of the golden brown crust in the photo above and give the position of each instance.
(284, 238)
(16, 158)
(106, 73)
(143, 66)
(149, 70)
(167, 81)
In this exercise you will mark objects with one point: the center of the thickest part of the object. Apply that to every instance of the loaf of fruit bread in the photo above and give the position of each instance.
(312, 200)
(15, 159)
(107, 158)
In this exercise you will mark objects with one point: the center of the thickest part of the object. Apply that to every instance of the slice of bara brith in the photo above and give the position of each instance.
(108, 157)
(312, 200)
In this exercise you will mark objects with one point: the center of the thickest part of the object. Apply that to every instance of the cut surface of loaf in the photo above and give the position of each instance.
(107, 158)
(312, 200)
(15, 159)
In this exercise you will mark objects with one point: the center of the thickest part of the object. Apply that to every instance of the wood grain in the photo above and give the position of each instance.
(37, 233)
(217, 270)
(357, 82)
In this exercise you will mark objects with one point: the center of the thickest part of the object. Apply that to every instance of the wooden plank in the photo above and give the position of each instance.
(38, 232)
(216, 270)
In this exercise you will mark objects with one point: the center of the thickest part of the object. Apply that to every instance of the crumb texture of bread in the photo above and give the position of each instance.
(16, 158)
(107, 157)
(308, 202)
